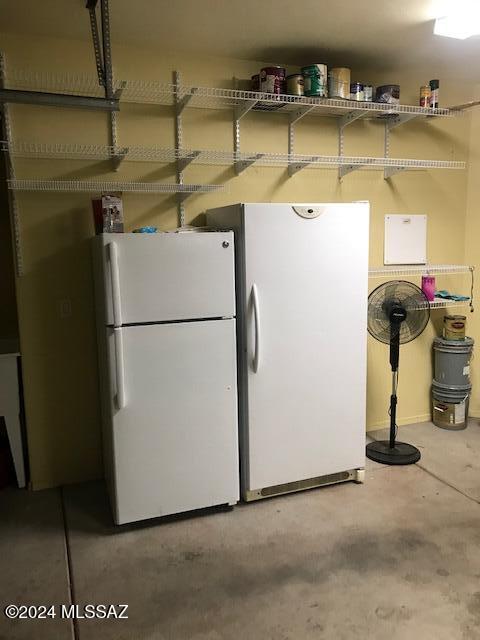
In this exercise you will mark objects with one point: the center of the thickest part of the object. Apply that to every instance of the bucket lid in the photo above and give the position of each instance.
(452, 388)
(454, 344)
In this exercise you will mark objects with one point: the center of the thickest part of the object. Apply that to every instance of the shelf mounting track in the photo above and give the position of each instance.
(294, 117)
(239, 111)
(343, 122)
(10, 170)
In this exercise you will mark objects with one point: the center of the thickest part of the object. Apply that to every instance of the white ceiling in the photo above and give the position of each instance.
(382, 34)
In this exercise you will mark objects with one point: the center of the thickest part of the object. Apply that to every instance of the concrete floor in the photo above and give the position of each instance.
(396, 558)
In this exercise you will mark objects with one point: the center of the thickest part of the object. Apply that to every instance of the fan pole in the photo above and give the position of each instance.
(393, 410)
(394, 358)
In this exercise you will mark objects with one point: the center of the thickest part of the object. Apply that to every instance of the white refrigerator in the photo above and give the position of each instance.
(167, 358)
(301, 273)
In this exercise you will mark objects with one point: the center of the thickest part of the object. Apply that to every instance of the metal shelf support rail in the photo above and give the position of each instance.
(388, 172)
(293, 118)
(239, 111)
(343, 122)
(180, 104)
(10, 170)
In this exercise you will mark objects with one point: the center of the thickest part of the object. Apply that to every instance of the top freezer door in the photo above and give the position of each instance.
(167, 276)
(306, 271)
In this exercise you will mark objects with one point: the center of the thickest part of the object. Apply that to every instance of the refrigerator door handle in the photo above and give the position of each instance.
(115, 275)
(119, 368)
(256, 316)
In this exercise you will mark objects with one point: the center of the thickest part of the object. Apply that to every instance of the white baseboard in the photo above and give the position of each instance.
(384, 424)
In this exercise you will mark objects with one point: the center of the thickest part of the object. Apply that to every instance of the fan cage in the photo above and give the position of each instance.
(408, 296)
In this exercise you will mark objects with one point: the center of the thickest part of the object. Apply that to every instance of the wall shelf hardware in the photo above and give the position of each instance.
(94, 186)
(184, 157)
(419, 270)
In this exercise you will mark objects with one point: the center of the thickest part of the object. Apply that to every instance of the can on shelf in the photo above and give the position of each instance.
(454, 327)
(295, 84)
(256, 82)
(388, 93)
(339, 83)
(434, 86)
(367, 92)
(315, 77)
(357, 92)
(425, 93)
(272, 80)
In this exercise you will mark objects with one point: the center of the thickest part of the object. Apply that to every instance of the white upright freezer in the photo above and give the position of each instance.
(166, 334)
(302, 290)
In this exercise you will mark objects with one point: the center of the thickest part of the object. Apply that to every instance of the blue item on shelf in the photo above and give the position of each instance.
(450, 296)
(145, 230)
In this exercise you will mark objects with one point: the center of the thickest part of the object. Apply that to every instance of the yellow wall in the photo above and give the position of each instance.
(59, 353)
(472, 246)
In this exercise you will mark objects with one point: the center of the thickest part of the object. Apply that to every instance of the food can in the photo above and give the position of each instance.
(425, 93)
(272, 80)
(367, 92)
(339, 83)
(356, 92)
(256, 82)
(295, 84)
(454, 327)
(388, 93)
(315, 78)
(434, 86)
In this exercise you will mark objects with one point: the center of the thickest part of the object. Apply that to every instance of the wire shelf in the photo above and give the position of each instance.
(215, 157)
(424, 269)
(155, 92)
(93, 186)
(216, 98)
(440, 303)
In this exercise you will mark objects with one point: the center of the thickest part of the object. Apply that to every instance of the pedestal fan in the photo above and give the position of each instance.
(398, 312)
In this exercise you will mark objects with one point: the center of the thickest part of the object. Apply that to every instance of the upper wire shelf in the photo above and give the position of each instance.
(151, 91)
(214, 157)
(421, 269)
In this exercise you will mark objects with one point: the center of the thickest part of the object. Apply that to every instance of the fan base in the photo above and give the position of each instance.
(402, 453)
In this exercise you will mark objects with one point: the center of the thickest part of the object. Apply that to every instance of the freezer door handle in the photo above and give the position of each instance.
(119, 368)
(115, 275)
(256, 316)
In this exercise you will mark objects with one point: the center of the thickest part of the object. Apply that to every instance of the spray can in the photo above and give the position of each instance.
(434, 85)
(425, 95)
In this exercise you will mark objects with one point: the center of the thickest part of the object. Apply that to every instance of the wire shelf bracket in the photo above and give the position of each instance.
(184, 161)
(350, 117)
(183, 102)
(344, 170)
(295, 167)
(388, 172)
(242, 109)
(300, 113)
(400, 118)
(241, 165)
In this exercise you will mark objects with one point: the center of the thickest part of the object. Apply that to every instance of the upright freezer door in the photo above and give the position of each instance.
(306, 308)
(167, 276)
(174, 408)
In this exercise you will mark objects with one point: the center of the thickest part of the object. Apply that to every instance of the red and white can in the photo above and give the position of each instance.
(272, 80)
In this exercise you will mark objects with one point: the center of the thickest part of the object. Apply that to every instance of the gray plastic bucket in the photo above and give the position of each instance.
(450, 405)
(452, 361)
